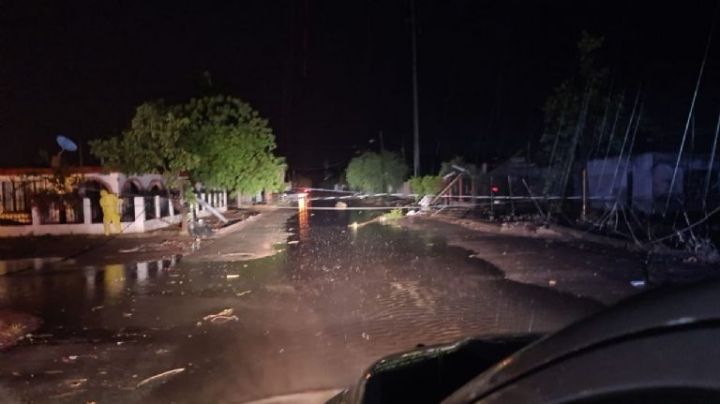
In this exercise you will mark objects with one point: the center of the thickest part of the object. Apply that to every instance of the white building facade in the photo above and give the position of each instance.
(146, 203)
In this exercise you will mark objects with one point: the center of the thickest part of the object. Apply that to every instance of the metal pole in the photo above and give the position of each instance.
(624, 143)
(492, 202)
(711, 164)
(690, 114)
(512, 203)
(460, 189)
(382, 162)
(584, 194)
(416, 119)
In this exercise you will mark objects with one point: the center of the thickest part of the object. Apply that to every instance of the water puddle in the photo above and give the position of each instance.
(22, 264)
(35, 284)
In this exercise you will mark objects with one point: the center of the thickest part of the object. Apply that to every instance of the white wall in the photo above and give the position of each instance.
(140, 225)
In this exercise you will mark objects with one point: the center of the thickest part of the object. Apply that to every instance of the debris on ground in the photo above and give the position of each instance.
(129, 250)
(704, 251)
(14, 326)
(160, 376)
(74, 383)
(238, 254)
(221, 317)
(638, 283)
(243, 293)
(232, 276)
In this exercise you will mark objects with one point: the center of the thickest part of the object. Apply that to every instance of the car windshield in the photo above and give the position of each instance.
(229, 202)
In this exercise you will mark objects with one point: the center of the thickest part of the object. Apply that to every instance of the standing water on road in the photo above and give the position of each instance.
(331, 301)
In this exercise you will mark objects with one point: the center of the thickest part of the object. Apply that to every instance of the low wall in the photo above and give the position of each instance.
(139, 225)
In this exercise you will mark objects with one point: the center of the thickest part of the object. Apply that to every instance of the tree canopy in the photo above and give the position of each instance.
(375, 172)
(426, 185)
(219, 141)
(152, 144)
(234, 143)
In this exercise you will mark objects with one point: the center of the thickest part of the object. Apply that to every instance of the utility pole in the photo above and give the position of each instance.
(416, 119)
(382, 161)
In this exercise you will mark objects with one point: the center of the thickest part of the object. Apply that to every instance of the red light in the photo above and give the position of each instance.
(494, 189)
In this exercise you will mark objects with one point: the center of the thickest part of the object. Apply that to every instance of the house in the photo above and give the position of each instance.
(18, 186)
(26, 208)
(643, 182)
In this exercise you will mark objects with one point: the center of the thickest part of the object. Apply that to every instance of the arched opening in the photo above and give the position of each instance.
(156, 188)
(131, 187)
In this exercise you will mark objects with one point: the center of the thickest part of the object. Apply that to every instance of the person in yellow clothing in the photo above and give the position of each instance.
(110, 206)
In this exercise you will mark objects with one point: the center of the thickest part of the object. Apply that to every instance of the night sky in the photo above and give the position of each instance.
(329, 75)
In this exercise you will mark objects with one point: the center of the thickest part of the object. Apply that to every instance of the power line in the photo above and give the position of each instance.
(690, 113)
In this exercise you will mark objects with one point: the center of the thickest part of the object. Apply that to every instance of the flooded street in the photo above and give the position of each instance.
(333, 299)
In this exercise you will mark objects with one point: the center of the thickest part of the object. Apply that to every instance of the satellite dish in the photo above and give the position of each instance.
(65, 143)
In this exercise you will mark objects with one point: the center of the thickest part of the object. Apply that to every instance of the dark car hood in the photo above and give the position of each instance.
(652, 311)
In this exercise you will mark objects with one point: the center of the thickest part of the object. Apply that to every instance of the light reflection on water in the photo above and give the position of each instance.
(22, 264)
(54, 287)
(114, 280)
(304, 222)
(309, 221)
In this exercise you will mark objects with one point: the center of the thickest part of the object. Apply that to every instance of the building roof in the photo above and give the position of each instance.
(50, 171)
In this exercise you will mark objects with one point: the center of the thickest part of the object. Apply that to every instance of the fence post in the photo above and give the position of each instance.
(224, 198)
(510, 193)
(492, 202)
(203, 197)
(473, 191)
(171, 208)
(87, 211)
(584, 195)
(35, 216)
(460, 189)
(156, 199)
(139, 223)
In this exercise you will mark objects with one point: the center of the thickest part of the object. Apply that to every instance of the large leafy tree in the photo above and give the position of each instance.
(152, 144)
(235, 145)
(218, 141)
(375, 172)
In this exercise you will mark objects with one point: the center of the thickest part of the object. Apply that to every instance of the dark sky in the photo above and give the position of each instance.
(329, 75)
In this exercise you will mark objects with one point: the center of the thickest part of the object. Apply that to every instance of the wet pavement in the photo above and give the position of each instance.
(330, 301)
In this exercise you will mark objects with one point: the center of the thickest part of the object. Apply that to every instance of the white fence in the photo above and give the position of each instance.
(163, 216)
